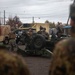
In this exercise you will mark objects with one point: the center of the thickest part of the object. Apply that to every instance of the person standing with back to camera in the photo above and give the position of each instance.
(63, 61)
(11, 63)
(72, 19)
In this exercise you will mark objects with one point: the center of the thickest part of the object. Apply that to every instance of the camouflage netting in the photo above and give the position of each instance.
(11, 64)
(63, 61)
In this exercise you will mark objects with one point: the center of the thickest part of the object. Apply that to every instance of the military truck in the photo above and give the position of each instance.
(4, 33)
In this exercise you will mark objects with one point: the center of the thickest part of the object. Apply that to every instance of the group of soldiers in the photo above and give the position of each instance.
(43, 32)
(62, 62)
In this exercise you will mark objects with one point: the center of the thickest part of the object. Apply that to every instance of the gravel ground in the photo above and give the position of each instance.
(38, 65)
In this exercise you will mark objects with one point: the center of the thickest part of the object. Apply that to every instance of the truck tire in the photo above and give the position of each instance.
(6, 41)
(38, 42)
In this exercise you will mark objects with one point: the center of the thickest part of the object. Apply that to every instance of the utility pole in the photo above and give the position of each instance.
(33, 20)
(0, 18)
(4, 17)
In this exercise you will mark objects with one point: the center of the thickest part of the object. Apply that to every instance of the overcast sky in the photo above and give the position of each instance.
(41, 10)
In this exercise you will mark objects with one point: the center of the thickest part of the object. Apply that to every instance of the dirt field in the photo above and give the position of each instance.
(38, 65)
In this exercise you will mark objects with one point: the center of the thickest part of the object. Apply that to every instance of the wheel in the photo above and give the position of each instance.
(38, 42)
(6, 41)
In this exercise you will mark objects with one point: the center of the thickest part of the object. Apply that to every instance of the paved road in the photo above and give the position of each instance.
(38, 65)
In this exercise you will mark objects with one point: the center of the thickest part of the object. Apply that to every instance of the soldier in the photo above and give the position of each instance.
(30, 32)
(12, 41)
(40, 31)
(53, 37)
(72, 19)
(45, 34)
(12, 64)
(63, 61)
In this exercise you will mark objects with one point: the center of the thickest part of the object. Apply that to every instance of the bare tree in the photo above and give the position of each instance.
(13, 22)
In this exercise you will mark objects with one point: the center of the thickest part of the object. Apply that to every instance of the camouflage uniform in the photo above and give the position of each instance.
(44, 33)
(63, 61)
(72, 19)
(11, 64)
(12, 41)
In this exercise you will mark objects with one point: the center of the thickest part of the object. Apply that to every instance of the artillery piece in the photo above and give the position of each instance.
(37, 42)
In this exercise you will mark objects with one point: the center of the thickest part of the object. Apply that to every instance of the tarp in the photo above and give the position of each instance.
(68, 26)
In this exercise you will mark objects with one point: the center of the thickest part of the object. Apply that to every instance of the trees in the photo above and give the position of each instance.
(51, 25)
(46, 21)
(14, 22)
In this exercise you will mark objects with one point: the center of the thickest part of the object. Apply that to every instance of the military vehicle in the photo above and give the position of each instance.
(4, 33)
(36, 42)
